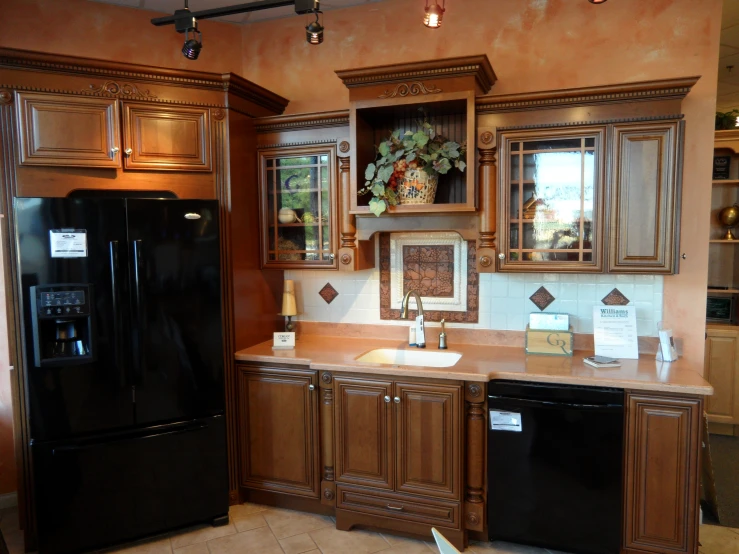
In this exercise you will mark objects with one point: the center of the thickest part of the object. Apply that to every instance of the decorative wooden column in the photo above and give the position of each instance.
(474, 497)
(328, 487)
(354, 255)
(487, 186)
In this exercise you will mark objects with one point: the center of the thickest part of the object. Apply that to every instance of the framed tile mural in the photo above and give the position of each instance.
(439, 266)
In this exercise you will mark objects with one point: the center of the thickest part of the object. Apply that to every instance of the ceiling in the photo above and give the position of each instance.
(728, 79)
(169, 6)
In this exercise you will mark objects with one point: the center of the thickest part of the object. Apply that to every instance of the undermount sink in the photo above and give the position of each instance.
(426, 358)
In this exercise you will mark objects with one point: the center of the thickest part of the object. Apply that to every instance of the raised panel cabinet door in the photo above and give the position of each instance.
(644, 196)
(67, 130)
(428, 439)
(663, 440)
(278, 420)
(364, 436)
(722, 357)
(166, 138)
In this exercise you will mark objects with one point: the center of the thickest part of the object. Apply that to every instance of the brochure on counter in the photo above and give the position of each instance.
(614, 332)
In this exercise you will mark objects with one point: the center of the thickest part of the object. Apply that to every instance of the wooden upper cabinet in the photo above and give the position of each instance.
(278, 419)
(428, 438)
(663, 440)
(644, 195)
(66, 130)
(166, 138)
(364, 437)
(722, 371)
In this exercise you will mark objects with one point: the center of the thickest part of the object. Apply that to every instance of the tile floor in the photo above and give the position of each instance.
(255, 529)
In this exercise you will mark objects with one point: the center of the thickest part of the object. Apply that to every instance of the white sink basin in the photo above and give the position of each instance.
(432, 358)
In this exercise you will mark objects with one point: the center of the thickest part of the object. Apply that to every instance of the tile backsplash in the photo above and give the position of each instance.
(504, 298)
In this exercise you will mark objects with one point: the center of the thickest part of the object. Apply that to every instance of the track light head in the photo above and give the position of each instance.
(192, 47)
(434, 15)
(314, 31)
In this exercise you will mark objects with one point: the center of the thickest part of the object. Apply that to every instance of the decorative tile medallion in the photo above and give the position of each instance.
(441, 266)
(429, 270)
(542, 298)
(328, 293)
(615, 298)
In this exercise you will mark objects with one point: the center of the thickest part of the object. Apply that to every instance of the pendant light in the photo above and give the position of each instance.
(434, 14)
(314, 31)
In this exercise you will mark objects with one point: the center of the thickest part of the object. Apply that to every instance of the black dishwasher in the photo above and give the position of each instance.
(554, 466)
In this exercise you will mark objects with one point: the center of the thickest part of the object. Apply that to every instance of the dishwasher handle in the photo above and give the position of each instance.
(507, 401)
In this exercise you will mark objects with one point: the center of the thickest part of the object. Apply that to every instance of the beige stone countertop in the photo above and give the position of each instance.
(483, 363)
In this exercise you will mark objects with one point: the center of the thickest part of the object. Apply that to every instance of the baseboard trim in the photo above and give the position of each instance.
(8, 500)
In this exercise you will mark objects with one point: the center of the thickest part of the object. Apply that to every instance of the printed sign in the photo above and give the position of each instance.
(283, 340)
(614, 332)
(68, 243)
(505, 421)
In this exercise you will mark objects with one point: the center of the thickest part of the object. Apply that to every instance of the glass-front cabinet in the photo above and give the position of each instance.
(551, 208)
(298, 206)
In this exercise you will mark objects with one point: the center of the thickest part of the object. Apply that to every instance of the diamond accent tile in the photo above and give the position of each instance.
(542, 298)
(615, 298)
(328, 293)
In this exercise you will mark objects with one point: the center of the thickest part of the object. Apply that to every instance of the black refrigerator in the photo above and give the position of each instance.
(124, 371)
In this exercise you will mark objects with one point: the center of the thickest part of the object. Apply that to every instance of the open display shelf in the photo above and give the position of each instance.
(723, 258)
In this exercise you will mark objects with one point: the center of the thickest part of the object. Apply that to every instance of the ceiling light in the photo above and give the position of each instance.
(314, 31)
(434, 14)
(597, 1)
(192, 47)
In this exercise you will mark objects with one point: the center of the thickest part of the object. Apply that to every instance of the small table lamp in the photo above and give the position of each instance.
(289, 309)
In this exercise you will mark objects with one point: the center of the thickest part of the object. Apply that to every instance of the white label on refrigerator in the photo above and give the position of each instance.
(505, 421)
(68, 243)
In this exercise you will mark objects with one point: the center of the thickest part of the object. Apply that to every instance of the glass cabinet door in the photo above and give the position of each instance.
(552, 202)
(299, 207)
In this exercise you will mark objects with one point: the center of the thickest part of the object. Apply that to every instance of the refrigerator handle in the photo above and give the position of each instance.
(117, 323)
(138, 347)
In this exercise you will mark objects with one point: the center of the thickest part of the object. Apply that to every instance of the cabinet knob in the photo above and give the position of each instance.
(115, 150)
(311, 387)
(331, 256)
(501, 256)
(387, 399)
(128, 151)
(396, 400)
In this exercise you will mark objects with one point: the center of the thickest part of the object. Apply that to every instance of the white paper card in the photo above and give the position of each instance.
(614, 330)
(68, 243)
(505, 421)
(283, 340)
(667, 351)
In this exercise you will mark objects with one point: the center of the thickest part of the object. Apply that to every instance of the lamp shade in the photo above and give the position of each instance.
(288, 299)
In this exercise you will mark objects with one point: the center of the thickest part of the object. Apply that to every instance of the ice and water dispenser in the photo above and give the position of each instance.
(63, 330)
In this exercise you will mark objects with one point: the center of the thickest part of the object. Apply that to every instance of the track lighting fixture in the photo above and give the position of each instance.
(185, 22)
(434, 13)
(314, 31)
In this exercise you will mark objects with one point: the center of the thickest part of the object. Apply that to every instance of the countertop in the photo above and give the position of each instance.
(483, 363)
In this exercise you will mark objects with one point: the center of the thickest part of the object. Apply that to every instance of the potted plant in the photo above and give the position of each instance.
(407, 167)
(726, 120)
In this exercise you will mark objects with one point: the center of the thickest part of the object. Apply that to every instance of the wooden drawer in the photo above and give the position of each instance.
(398, 506)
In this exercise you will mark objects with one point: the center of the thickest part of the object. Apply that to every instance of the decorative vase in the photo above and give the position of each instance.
(286, 215)
(417, 187)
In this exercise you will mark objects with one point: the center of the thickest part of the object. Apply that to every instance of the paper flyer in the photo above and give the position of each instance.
(614, 330)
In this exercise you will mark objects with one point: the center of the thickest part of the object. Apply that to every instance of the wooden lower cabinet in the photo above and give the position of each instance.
(279, 450)
(722, 371)
(661, 469)
(398, 455)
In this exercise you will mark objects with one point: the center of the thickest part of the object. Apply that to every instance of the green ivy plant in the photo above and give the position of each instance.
(726, 120)
(422, 149)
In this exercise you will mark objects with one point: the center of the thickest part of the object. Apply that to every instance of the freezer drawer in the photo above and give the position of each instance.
(104, 490)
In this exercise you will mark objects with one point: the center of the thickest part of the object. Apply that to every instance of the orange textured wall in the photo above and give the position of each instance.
(95, 30)
(533, 45)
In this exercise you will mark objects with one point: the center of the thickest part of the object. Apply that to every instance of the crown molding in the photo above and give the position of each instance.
(295, 122)
(666, 89)
(78, 66)
(477, 66)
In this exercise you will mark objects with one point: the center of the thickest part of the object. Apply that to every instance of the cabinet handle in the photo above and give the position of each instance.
(501, 256)
(311, 387)
(398, 508)
(128, 151)
(331, 256)
(397, 399)
(115, 150)
(387, 399)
